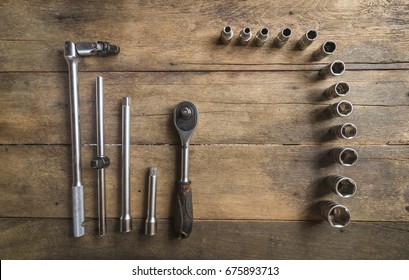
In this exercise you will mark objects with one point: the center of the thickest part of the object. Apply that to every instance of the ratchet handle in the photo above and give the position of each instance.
(184, 210)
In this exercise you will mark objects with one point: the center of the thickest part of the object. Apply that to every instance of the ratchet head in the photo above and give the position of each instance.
(185, 118)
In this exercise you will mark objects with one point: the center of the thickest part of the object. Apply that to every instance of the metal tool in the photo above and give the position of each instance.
(72, 53)
(342, 186)
(344, 131)
(150, 223)
(282, 37)
(185, 118)
(245, 36)
(344, 156)
(343, 108)
(340, 89)
(126, 219)
(226, 34)
(101, 161)
(337, 215)
(326, 49)
(307, 39)
(335, 68)
(262, 36)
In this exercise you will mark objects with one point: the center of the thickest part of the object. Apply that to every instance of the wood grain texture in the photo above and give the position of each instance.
(183, 35)
(235, 108)
(25, 239)
(229, 181)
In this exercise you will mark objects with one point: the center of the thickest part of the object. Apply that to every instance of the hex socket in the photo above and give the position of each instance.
(344, 131)
(337, 215)
(307, 39)
(245, 36)
(226, 34)
(342, 108)
(335, 68)
(344, 156)
(340, 89)
(326, 49)
(262, 36)
(282, 37)
(342, 186)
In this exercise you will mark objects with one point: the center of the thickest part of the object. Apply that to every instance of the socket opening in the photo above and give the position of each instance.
(337, 68)
(312, 34)
(346, 187)
(287, 32)
(344, 108)
(339, 216)
(348, 157)
(348, 131)
(329, 47)
(227, 29)
(342, 89)
(247, 30)
(264, 31)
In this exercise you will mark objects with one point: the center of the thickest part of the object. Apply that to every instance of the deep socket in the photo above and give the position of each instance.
(337, 215)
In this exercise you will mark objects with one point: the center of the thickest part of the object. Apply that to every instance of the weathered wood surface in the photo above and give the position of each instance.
(229, 181)
(259, 154)
(183, 35)
(28, 239)
(235, 108)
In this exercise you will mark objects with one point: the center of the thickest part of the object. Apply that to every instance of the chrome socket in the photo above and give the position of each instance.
(343, 108)
(337, 215)
(344, 156)
(342, 186)
(335, 68)
(340, 89)
(326, 49)
(226, 34)
(307, 39)
(344, 131)
(245, 36)
(282, 37)
(262, 36)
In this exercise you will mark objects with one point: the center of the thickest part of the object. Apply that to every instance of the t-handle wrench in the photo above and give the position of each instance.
(72, 52)
(185, 117)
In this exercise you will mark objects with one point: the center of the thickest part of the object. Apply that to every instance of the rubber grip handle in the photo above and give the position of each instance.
(184, 210)
(78, 210)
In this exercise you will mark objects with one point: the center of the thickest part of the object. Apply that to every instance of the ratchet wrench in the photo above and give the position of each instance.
(185, 118)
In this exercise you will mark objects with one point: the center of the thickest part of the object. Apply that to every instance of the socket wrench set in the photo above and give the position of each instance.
(185, 119)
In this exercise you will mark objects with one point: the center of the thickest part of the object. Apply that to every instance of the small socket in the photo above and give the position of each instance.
(262, 36)
(343, 108)
(307, 39)
(282, 37)
(342, 186)
(340, 89)
(226, 34)
(245, 36)
(335, 68)
(344, 131)
(344, 156)
(326, 49)
(337, 215)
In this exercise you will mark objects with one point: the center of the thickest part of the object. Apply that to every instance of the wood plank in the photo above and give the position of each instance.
(229, 181)
(243, 108)
(183, 35)
(50, 239)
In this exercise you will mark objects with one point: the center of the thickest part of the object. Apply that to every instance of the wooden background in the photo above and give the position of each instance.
(259, 154)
